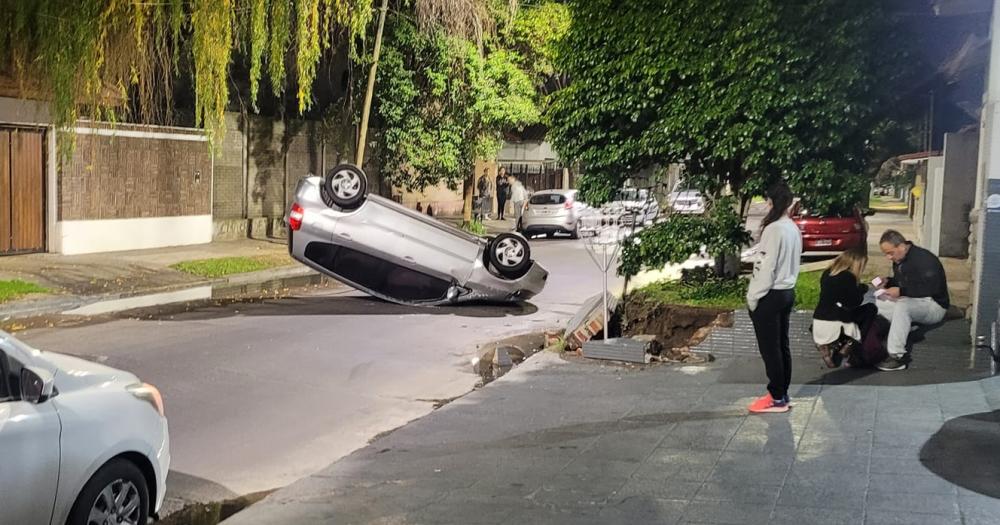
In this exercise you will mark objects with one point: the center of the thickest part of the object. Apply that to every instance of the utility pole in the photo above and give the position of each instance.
(363, 137)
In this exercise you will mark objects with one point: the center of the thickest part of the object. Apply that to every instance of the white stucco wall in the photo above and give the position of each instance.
(113, 235)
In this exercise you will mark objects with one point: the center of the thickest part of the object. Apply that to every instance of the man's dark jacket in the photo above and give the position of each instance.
(920, 274)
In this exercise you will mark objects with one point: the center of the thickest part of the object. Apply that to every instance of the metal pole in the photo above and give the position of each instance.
(363, 138)
(607, 327)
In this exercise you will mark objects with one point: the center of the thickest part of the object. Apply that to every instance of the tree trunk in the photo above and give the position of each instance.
(728, 265)
(467, 186)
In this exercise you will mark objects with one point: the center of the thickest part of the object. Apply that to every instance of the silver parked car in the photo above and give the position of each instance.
(552, 211)
(399, 255)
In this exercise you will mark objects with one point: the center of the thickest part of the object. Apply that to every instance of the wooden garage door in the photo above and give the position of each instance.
(22, 191)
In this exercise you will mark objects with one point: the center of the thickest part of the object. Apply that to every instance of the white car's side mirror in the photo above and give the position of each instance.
(37, 385)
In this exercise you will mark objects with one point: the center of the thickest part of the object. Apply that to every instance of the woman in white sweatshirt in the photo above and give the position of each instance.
(771, 296)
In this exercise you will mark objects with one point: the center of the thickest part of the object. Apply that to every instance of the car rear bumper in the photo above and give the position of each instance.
(833, 242)
(548, 223)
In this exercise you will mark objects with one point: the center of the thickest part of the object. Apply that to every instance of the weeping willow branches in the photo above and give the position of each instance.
(111, 59)
(114, 59)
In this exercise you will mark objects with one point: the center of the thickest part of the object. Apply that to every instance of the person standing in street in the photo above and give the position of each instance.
(503, 192)
(771, 296)
(517, 196)
(485, 194)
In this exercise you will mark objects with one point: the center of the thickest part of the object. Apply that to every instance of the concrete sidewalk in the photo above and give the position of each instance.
(560, 441)
(77, 280)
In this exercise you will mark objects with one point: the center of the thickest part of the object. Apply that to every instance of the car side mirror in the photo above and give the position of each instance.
(37, 385)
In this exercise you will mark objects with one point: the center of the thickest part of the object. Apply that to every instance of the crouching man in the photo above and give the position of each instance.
(917, 292)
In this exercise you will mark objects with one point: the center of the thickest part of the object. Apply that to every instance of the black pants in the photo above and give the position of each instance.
(501, 206)
(770, 323)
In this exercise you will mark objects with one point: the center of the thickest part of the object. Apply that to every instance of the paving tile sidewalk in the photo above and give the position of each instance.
(82, 279)
(562, 441)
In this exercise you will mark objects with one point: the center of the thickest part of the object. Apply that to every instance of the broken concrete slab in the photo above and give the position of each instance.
(619, 349)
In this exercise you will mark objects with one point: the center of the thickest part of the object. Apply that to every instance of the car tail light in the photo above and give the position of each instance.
(149, 394)
(295, 217)
(568, 205)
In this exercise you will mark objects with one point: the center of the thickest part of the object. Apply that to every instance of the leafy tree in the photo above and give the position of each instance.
(114, 59)
(534, 35)
(742, 93)
(442, 104)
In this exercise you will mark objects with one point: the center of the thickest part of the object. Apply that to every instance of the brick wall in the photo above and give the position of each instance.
(229, 181)
(124, 177)
(261, 160)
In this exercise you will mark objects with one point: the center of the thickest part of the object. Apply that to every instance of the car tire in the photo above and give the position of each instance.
(575, 234)
(117, 476)
(346, 185)
(509, 255)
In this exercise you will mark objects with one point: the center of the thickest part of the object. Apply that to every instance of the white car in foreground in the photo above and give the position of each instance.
(80, 443)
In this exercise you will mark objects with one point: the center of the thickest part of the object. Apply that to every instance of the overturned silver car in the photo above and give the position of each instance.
(399, 255)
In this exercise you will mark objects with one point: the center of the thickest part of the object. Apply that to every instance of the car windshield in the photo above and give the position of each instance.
(543, 199)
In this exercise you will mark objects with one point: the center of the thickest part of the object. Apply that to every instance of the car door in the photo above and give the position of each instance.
(29, 452)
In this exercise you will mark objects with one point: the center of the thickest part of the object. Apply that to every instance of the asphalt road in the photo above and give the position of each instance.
(261, 394)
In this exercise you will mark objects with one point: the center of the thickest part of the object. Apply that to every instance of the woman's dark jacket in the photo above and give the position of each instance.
(844, 289)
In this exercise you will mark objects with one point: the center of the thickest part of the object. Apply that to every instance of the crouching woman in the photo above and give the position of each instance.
(838, 317)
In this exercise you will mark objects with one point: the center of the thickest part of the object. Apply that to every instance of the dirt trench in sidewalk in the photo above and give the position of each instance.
(676, 327)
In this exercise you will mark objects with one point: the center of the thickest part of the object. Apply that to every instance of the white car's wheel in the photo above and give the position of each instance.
(510, 255)
(346, 185)
(116, 495)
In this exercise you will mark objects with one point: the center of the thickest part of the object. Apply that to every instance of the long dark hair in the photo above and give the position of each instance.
(781, 200)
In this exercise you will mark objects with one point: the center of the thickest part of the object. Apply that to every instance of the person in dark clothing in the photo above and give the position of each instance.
(917, 292)
(839, 314)
(503, 192)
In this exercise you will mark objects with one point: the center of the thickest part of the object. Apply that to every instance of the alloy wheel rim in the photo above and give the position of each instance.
(345, 184)
(510, 252)
(117, 504)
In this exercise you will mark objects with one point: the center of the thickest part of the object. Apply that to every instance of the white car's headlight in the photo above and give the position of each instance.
(149, 394)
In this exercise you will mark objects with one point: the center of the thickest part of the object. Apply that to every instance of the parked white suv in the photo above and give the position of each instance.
(686, 200)
(636, 205)
(80, 443)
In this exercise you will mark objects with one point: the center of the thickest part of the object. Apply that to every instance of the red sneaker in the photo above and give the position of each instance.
(767, 404)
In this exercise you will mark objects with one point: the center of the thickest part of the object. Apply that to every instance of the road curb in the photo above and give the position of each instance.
(58, 304)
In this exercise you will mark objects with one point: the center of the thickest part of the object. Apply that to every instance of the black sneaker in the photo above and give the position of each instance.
(891, 364)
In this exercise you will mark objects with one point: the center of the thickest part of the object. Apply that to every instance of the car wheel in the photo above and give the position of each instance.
(346, 185)
(510, 255)
(116, 494)
(575, 234)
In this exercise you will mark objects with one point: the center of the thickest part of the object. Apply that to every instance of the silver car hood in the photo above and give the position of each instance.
(72, 373)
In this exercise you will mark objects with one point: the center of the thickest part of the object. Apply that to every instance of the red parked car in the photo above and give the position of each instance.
(832, 233)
